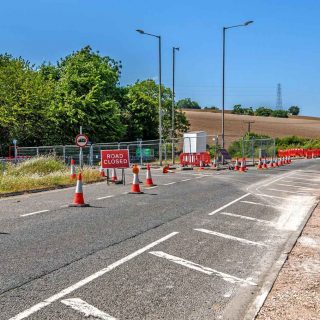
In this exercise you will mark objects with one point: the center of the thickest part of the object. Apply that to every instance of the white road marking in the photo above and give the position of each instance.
(64, 206)
(228, 204)
(185, 180)
(87, 309)
(227, 236)
(106, 197)
(32, 213)
(294, 186)
(281, 190)
(246, 218)
(300, 182)
(198, 267)
(168, 184)
(261, 204)
(151, 187)
(269, 196)
(294, 177)
(81, 283)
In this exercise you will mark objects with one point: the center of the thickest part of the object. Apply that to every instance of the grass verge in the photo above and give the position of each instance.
(40, 173)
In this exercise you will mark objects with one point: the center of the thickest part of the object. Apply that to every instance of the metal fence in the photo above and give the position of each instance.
(148, 151)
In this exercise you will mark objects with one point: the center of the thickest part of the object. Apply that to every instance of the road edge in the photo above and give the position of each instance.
(271, 278)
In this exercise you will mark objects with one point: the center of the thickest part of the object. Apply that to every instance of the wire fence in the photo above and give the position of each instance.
(142, 151)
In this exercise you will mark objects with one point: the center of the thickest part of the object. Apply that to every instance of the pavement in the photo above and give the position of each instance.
(199, 245)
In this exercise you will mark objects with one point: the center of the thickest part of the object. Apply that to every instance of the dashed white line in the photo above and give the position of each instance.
(106, 197)
(61, 294)
(151, 187)
(227, 236)
(168, 184)
(246, 218)
(87, 309)
(228, 204)
(198, 267)
(184, 180)
(32, 213)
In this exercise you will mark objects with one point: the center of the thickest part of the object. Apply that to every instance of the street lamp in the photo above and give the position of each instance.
(160, 95)
(223, 70)
(174, 49)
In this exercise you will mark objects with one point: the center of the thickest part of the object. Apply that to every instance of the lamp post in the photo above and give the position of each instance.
(160, 93)
(174, 49)
(223, 69)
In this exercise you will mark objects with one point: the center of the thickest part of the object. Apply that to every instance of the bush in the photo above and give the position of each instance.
(294, 110)
(280, 113)
(264, 112)
(237, 109)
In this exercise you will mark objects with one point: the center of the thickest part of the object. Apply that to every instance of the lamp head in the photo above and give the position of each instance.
(140, 31)
(247, 23)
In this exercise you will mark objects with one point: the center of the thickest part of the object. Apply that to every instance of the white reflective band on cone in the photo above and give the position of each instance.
(135, 178)
(79, 187)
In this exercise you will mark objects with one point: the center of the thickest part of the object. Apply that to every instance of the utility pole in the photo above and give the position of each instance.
(174, 49)
(249, 125)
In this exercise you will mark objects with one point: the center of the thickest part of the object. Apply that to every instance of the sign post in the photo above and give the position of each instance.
(15, 150)
(81, 141)
(115, 159)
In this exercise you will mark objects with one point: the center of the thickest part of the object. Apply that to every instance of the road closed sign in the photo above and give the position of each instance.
(115, 159)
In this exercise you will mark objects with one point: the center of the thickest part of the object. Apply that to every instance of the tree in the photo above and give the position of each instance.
(280, 113)
(85, 95)
(187, 103)
(294, 110)
(264, 112)
(238, 109)
(211, 108)
(141, 113)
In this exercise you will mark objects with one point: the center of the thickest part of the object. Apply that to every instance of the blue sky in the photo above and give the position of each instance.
(282, 46)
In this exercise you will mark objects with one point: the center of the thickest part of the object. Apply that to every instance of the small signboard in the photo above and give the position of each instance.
(118, 159)
(81, 140)
(225, 154)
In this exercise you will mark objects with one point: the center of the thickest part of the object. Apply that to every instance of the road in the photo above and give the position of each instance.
(199, 245)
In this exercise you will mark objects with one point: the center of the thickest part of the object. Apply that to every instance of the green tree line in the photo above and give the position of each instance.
(46, 104)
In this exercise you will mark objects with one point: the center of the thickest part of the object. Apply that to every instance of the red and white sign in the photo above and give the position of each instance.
(81, 140)
(115, 159)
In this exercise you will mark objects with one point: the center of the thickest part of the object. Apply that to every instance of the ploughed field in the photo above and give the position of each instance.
(235, 125)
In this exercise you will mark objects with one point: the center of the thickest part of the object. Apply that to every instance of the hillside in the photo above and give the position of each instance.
(235, 125)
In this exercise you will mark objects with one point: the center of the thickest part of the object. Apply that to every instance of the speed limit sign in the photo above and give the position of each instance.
(81, 140)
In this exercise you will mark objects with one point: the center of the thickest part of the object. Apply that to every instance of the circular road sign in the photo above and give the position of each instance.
(81, 140)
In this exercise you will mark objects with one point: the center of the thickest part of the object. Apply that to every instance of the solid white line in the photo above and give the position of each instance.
(32, 213)
(260, 204)
(81, 283)
(246, 217)
(168, 184)
(307, 183)
(87, 309)
(228, 204)
(106, 197)
(227, 236)
(295, 192)
(198, 267)
(268, 196)
(294, 186)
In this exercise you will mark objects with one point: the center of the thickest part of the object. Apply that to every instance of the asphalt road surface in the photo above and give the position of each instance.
(199, 245)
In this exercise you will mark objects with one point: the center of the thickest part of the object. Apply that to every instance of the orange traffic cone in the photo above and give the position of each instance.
(271, 163)
(102, 173)
(149, 182)
(78, 200)
(136, 183)
(259, 164)
(265, 166)
(73, 175)
(275, 162)
(236, 165)
(165, 169)
(243, 166)
(114, 177)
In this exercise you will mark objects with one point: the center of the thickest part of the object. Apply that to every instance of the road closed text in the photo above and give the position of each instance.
(114, 159)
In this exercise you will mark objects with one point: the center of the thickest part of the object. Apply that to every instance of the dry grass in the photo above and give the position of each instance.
(40, 173)
(235, 126)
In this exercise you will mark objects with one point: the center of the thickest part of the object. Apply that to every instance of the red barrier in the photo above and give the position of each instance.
(193, 159)
(300, 152)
